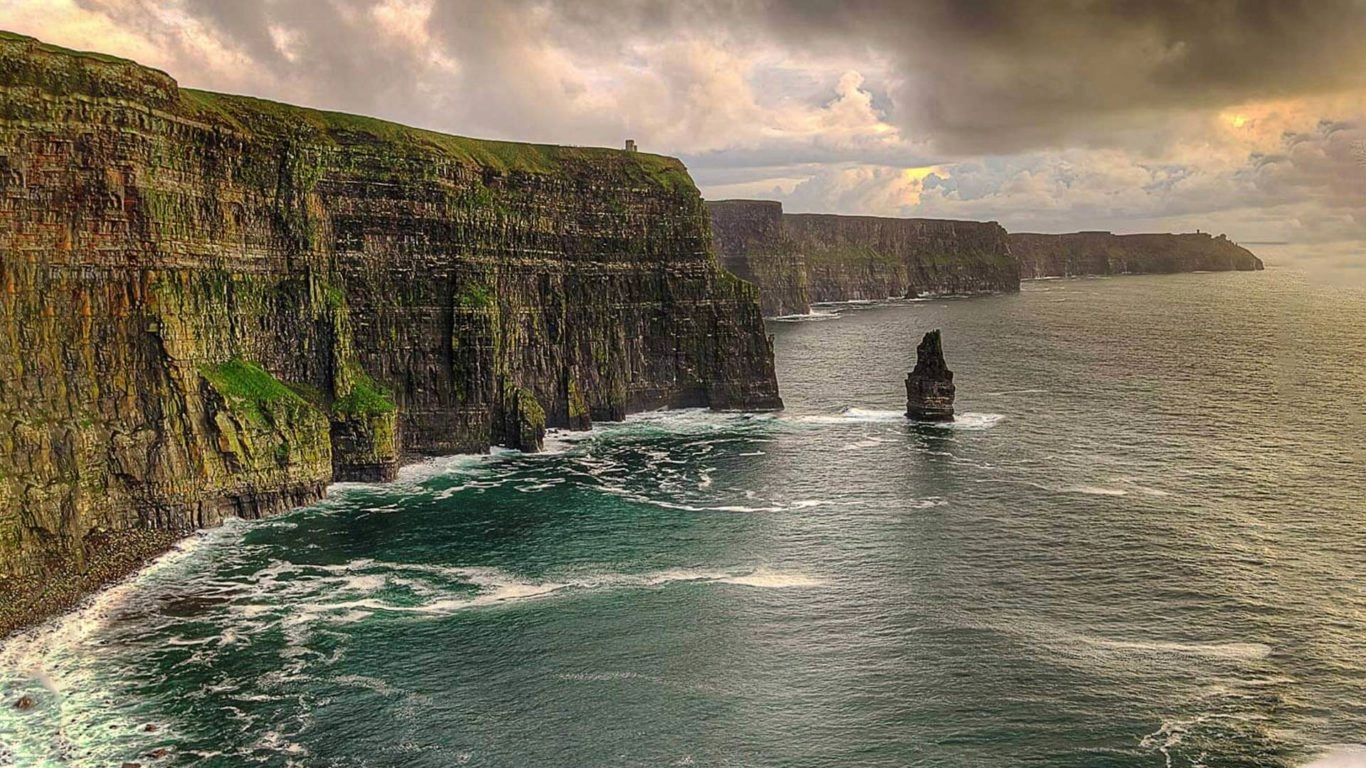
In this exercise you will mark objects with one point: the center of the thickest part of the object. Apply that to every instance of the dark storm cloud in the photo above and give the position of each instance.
(997, 75)
(973, 76)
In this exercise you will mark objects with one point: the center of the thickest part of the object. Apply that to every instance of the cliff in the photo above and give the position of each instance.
(1101, 253)
(867, 257)
(800, 259)
(213, 305)
(749, 240)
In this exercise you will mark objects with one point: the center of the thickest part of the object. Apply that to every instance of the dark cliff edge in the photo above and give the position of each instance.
(214, 305)
(800, 259)
(1103, 253)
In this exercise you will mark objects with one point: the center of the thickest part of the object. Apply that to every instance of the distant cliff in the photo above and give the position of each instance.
(797, 260)
(800, 259)
(1101, 253)
(214, 305)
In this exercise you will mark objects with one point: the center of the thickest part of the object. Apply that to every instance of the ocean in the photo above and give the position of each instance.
(1141, 544)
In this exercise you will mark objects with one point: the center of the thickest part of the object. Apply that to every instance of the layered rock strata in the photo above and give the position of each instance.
(213, 305)
(797, 260)
(1102, 253)
(929, 387)
(800, 259)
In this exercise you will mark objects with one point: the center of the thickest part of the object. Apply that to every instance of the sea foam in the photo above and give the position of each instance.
(1340, 756)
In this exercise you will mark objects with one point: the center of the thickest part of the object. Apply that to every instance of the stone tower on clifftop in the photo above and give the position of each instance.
(929, 388)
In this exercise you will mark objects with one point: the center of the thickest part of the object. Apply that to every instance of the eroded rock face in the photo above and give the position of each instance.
(929, 388)
(1103, 253)
(800, 259)
(213, 305)
(750, 242)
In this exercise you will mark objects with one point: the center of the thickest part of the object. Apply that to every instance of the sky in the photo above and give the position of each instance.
(1246, 117)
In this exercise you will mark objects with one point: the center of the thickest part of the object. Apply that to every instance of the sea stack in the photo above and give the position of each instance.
(929, 388)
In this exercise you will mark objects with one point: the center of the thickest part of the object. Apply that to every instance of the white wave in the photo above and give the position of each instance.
(766, 579)
(418, 472)
(57, 663)
(303, 594)
(1168, 735)
(854, 415)
(845, 303)
(974, 421)
(1218, 650)
(810, 317)
(27, 651)
(1094, 490)
(870, 442)
(969, 421)
(1340, 756)
(740, 508)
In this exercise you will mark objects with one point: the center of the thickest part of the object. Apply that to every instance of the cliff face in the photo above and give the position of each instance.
(867, 257)
(1101, 253)
(750, 241)
(799, 259)
(213, 305)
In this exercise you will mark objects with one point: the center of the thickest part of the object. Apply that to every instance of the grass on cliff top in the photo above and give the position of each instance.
(15, 37)
(241, 380)
(252, 115)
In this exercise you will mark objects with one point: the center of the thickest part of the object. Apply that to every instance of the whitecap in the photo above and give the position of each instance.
(854, 415)
(767, 579)
(310, 590)
(809, 317)
(1339, 756)
(1219, 650)
(974, 421)
(1094, 490)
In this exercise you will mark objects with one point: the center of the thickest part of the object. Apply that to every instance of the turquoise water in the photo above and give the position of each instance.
(1141, 545)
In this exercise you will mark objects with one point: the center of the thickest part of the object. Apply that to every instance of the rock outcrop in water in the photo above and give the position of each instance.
(929, 387)
(800, 259)
(1102, 253)
(214, 305)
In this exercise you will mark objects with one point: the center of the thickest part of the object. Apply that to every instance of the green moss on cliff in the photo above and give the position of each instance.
(252, 115)
(246, 381)
(57, 49)
(365, 398)
(475, 297)
(850, 254)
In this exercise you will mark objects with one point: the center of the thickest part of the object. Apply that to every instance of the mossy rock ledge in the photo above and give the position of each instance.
(215, 305)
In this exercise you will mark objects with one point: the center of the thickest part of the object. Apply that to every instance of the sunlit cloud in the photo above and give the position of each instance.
(1124, 117)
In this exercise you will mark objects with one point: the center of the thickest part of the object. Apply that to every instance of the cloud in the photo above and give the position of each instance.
(1058, 114)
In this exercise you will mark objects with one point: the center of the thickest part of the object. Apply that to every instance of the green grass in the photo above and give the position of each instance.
(475, 297)
(251, 392)
(366, 398)
(15, 37)
(239, 378)
(253, 115)
(271, 119)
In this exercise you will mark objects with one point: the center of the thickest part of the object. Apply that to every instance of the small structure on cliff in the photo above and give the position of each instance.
(929, 388)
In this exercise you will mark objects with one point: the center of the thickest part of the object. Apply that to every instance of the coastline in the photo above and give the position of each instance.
(111, 557)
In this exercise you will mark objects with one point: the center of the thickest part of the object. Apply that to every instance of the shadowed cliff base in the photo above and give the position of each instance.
(215, 305)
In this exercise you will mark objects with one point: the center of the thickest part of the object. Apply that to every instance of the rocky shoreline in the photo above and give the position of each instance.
(110, 557)
(214, 306)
